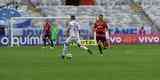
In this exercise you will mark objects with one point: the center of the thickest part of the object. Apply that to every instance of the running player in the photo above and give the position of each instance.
(101, 34)
(54, 34)
(73, 30)
(46, 32)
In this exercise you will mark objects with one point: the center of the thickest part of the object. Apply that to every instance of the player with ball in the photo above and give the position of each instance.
(72, 33)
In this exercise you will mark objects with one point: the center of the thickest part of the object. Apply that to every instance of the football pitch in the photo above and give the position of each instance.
(136, 62)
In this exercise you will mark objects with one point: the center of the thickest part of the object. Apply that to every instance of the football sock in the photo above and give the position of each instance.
(44, 42)
(85, 48)
(65, 49)
(100, 49)
(89, 51)
(52, 44)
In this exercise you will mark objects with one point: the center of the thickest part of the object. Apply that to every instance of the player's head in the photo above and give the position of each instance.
(72, 17)
(54, 23)
(142, 27)
(100, 17)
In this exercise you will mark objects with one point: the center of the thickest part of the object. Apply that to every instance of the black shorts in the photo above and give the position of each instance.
(47, 36)
(101, 39)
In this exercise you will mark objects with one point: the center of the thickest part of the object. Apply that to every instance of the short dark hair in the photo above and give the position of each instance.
(73, 17)
(100, 15)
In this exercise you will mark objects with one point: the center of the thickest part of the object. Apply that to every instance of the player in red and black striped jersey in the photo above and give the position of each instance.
(101, 34)
(46, 32)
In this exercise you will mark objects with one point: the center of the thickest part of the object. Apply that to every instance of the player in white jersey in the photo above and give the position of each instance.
(73, 30)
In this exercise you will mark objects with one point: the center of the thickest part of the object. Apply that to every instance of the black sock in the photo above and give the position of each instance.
(90, 52)
(52, 45)
(100, 49)
(44, 42)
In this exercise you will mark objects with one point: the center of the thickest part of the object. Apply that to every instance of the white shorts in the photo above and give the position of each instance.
(73, 39)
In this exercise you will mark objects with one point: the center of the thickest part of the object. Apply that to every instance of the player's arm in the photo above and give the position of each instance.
(94, 31)
(106, 30)
(78, 27)
(107, 36)
(67, 30)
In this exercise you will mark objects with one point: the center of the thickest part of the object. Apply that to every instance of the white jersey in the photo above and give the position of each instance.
(73, 28)
(73, 36)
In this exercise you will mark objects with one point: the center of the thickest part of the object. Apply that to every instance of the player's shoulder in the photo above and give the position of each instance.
(73, 22)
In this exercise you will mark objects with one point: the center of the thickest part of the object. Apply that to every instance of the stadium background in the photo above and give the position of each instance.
(120, 62)
(125, 18)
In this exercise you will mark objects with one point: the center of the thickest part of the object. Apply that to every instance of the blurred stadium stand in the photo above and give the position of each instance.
(118, 12)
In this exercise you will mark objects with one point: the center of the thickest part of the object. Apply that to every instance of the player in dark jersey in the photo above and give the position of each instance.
(46, 32)
(101, 34)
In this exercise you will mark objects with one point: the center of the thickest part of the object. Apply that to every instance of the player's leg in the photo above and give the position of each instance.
(99, 44)
(66, 53)
(107, 44)
(100, 47)
(53, 43)
(66, 48)
(50, 41)
(85, 48)
(82, 46)
(44, 41)
(104, 43)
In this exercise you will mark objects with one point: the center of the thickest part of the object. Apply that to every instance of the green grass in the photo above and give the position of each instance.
(137, 62)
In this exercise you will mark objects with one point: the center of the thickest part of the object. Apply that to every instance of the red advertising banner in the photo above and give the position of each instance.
(135, 39)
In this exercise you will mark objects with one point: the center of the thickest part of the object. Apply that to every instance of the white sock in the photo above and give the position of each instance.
(84, 47)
